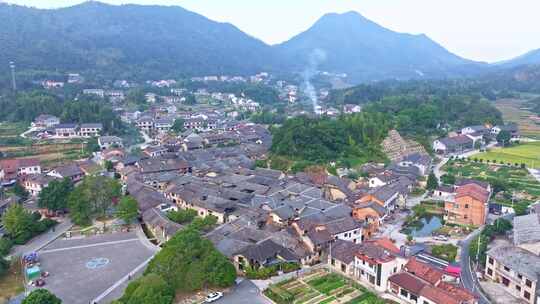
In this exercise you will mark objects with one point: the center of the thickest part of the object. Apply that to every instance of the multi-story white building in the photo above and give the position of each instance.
(90, 129)
(97, 92)
(516, 270)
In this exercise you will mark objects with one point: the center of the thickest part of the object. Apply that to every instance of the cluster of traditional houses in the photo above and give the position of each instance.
(268, 217)
(52, 126)
(471, 137)
(29, 173)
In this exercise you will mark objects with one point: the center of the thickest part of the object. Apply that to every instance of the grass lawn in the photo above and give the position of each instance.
(11, 284)
(527, 153)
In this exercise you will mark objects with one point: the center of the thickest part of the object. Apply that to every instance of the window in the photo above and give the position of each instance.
(506, 269)
(527, 295)
(518, 288)
(505, 281)
(414, 297)
(491, 261)
(333, 262)
(404, 293)
(466, 206)
(520, 276)
(490, 271)
(528, 283)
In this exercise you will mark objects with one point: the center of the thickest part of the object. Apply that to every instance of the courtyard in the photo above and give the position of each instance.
(82, 269)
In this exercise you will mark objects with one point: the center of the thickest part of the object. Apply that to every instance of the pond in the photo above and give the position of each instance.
(429, 224)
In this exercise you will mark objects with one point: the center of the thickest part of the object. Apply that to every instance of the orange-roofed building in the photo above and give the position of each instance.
(422, 270)
(469, 206)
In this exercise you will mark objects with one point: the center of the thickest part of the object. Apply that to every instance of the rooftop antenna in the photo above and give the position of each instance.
(13, 83)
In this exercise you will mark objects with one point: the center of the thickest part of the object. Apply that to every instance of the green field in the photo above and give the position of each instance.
(528, 154)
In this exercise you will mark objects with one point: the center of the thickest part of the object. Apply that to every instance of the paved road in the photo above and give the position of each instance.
(244, 293)
(43, 239)
(468, 275)
(437, 169)
(146, 139)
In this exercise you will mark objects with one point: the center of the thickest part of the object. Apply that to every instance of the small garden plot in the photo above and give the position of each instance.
(319, 288)
(367, 298)
(504, 180)
(328, 283)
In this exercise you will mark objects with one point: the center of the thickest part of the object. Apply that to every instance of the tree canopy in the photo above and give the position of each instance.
(127, 209)
(41, 296)
(92, 198)
(320, 140)
(189, 262)
(149, 289)
(54, 197)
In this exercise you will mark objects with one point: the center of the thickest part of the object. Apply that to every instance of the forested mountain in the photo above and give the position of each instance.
(127, 40)
(529, 58)
(144, 42)
(353, 44)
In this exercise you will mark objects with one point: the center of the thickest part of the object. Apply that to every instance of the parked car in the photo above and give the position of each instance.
(214, 296)
(441, 238)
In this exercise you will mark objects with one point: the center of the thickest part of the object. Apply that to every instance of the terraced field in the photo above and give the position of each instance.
(514, 110)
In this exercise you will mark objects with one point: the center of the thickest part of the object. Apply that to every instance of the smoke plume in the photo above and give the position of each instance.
(316, 57)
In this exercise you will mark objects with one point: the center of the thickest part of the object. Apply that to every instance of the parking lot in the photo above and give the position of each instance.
(82, 269)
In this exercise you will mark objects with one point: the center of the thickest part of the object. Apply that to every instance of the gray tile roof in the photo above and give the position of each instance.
(527, 229)
(344, 251)
(517, 259)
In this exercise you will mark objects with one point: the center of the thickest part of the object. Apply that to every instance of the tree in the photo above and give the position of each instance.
(432, 182)
(190, 262)
(20, 191)
(178, 125)
(80, 209)
(502, 225)
(149, 289)
(18, 223)
(92, 145)
(93, 197)
(190, 99)
(109, 165)
(4, 266)
(54, 197)
(182, 216)
(448, 179)
(127, 209)
(41, 296)
(504, 137)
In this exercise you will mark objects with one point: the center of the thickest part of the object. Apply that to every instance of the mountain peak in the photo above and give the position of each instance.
(366, 50)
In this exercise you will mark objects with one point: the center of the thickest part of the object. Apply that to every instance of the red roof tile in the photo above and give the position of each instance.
(473, 190)
(424, 271)
(438, 296)
(408, 282)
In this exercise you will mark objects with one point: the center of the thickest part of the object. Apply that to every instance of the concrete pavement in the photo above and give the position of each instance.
(244, 293)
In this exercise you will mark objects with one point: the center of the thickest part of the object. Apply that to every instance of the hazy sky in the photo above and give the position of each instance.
(485, 30)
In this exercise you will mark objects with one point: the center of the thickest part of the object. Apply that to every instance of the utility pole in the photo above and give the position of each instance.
(478, 248)
(13, 82)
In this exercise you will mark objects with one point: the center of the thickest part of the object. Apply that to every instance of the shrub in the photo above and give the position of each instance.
(5, 246)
